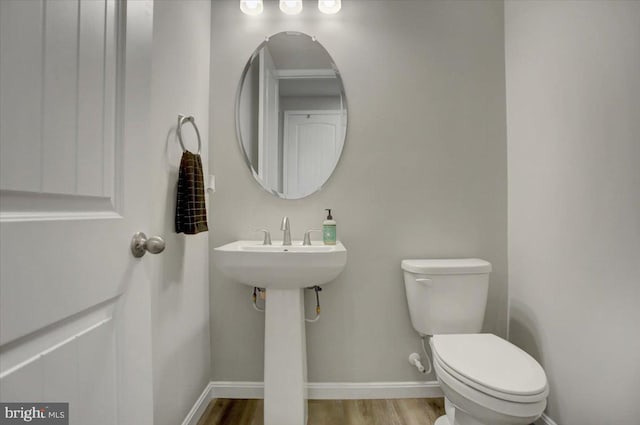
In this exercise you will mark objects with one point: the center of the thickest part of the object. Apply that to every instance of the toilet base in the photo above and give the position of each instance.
(463, 420)
(442, 420)
(458, 417)
(455, 416)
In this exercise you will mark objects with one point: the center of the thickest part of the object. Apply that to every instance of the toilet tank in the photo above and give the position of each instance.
(446, 295)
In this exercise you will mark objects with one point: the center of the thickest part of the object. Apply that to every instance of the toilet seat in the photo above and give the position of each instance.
(486, 408)
(491, 365)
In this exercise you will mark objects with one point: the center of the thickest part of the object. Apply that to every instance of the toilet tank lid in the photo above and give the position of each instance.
(447, 266)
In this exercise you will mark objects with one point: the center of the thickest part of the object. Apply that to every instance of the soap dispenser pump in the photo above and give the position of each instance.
(329, 229)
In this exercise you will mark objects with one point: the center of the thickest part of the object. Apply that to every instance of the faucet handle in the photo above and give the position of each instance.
(307, 236)
(267, 236)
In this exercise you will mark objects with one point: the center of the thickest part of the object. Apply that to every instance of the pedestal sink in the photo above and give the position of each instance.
(284, 271)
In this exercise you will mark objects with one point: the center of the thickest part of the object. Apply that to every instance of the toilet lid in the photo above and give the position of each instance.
(487, 361)
(447, 266)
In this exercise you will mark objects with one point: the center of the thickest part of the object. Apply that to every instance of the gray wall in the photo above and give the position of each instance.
(573, 102)
(180, 290)
(423, 175)
(313, 103)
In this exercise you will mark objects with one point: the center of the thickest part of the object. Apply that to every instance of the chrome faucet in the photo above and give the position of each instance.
(286, 240)
(307, 236)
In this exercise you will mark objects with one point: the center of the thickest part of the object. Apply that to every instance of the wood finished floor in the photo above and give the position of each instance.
(412, 411)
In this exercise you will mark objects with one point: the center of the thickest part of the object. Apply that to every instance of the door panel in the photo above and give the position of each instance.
(21, 62)
(312, 145)
(58, 98)
(74, 302)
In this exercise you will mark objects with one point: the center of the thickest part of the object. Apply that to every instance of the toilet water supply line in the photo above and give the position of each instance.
(263, 296)
(414, 358)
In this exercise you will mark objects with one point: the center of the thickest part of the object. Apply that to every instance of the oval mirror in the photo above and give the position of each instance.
(291, 115)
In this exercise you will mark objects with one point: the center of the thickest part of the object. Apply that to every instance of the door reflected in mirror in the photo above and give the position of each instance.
(291, 115)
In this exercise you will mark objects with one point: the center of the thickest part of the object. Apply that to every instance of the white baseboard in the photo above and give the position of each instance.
(199, 407)
(237, 389)
(335, 390)
(316, 391)
(324, 391)
(545, 420)
(372, 390)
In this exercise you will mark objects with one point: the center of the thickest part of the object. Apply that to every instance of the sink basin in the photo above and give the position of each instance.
(275, 266)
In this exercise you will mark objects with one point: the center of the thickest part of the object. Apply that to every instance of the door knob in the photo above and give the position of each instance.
(140, 244)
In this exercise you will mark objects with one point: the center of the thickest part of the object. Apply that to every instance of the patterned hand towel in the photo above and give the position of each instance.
(191, 211)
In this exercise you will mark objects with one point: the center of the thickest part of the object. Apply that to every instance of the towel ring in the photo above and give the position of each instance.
(181, 120)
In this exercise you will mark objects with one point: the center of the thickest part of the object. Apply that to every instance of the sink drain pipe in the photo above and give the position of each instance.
(254, 297)
(262, 294)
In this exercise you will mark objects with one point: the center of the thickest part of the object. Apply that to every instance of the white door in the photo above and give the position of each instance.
(268, 111)
(74, 302)
(312, 144)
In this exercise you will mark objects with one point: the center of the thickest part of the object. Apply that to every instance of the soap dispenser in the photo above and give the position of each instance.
(329, 229)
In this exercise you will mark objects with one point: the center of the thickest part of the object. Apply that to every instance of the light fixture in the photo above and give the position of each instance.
(291, 7)
(329, 6)
(251, 7)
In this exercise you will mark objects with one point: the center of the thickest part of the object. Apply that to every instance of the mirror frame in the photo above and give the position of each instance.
(343, 97)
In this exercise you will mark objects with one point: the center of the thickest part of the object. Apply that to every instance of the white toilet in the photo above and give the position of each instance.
(485, 379)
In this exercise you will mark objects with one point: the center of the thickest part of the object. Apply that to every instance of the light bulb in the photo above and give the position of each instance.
(329, 6)
(251, 7)
(291, 7)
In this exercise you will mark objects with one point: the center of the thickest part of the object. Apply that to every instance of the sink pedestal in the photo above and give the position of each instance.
(284, 270)
(285, 358)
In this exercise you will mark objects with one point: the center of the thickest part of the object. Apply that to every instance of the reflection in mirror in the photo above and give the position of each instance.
(291, 115)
